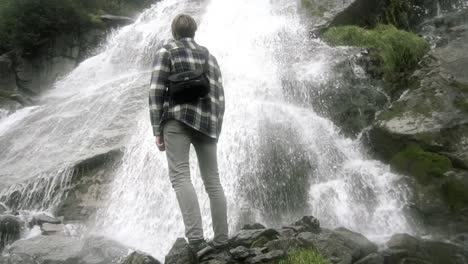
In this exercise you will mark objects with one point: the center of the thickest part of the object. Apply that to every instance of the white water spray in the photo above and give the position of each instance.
(259, 44)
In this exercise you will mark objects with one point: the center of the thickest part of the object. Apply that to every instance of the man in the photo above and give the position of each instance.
(178, 125)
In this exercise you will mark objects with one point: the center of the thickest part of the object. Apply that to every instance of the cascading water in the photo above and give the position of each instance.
(309, 168)
(278, 159)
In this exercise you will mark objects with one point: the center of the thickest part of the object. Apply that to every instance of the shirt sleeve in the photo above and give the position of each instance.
(221, 100)
(160, 73)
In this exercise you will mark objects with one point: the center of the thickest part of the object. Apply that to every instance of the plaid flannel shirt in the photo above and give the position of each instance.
(205, 114)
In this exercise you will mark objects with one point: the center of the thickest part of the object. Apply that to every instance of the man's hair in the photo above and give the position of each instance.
(183, 26)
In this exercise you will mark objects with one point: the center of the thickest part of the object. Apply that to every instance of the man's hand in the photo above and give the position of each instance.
(160, 143)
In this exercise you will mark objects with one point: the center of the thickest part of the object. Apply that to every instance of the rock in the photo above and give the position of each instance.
(373, 258)
(284, 244)
(180, 253)
(337, 245)
(17, 259)
(403, 14)
(51, 229)
(3, 208)
(286, 232)
(404, 248)
(240, 253)
(253, 226)
(295, 229)
(248, 237)
(10, 230)
(61, 249)
(310, 223)
(270, 256)
(43, 218)
(140, 258)
(366, 246)
(113, 21)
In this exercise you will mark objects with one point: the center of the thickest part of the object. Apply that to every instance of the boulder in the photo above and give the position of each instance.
(310, 223)
(10, 230)
(240, 253)
(267, 257)
(253, 226)
(365, 245)
(339, 246)
(403, 248)
(373, 258)
(140, 258)
(51, 229)
(69, 250)
(3, 208)
(43, 218)
(180, 253)
(248, 237)
(17, 259)
(403, 14)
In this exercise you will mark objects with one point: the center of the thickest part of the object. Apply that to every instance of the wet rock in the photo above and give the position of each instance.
(10, 230)
(373, 258)
(337, 246)
(253, 226)
(366, 247)
(295, 229)
(310, 223)
(61, 249)
(42, 218)
(51, 229)
(140, 258)
(116, 20)
(404, 248)
(286, 232)
(267, 257)
(17, 259)
(180, 253)
(3, 208)
(284, 244)
(248, 237)
(240, 253)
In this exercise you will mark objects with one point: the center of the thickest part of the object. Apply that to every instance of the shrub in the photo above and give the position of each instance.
(304, 256)
(27, 23)
(398, 50)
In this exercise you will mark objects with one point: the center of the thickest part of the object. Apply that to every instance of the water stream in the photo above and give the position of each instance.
(278, 158)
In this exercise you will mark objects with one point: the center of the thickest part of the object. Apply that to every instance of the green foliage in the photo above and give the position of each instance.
(398, 50)
(26, 24)
(424, 166)
(304, 256)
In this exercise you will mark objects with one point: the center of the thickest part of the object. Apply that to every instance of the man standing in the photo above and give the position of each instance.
(178, 125)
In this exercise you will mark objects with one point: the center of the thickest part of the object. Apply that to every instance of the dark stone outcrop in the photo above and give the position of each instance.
(403, 248)
(69, 250)
(180, 253)
(10, 230)
(140, 258)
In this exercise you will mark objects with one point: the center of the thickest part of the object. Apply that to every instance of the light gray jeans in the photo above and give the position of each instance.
(177, 140)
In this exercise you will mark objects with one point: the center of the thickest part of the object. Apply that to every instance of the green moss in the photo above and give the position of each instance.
(398, 50)
(424, 166)
(304, 256)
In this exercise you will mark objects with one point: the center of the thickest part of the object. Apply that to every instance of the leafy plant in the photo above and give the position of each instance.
(398, 50)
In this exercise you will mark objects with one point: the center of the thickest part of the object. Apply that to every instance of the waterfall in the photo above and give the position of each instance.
(278, 158)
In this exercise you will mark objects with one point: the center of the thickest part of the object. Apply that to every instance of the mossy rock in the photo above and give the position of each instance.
(423, 165)
(455, 190)
(398, 50)
(304, 256)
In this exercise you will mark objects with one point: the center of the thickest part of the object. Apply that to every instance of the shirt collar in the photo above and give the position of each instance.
(187, 39)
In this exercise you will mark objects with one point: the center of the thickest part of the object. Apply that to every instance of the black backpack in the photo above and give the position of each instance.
(189, 86)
